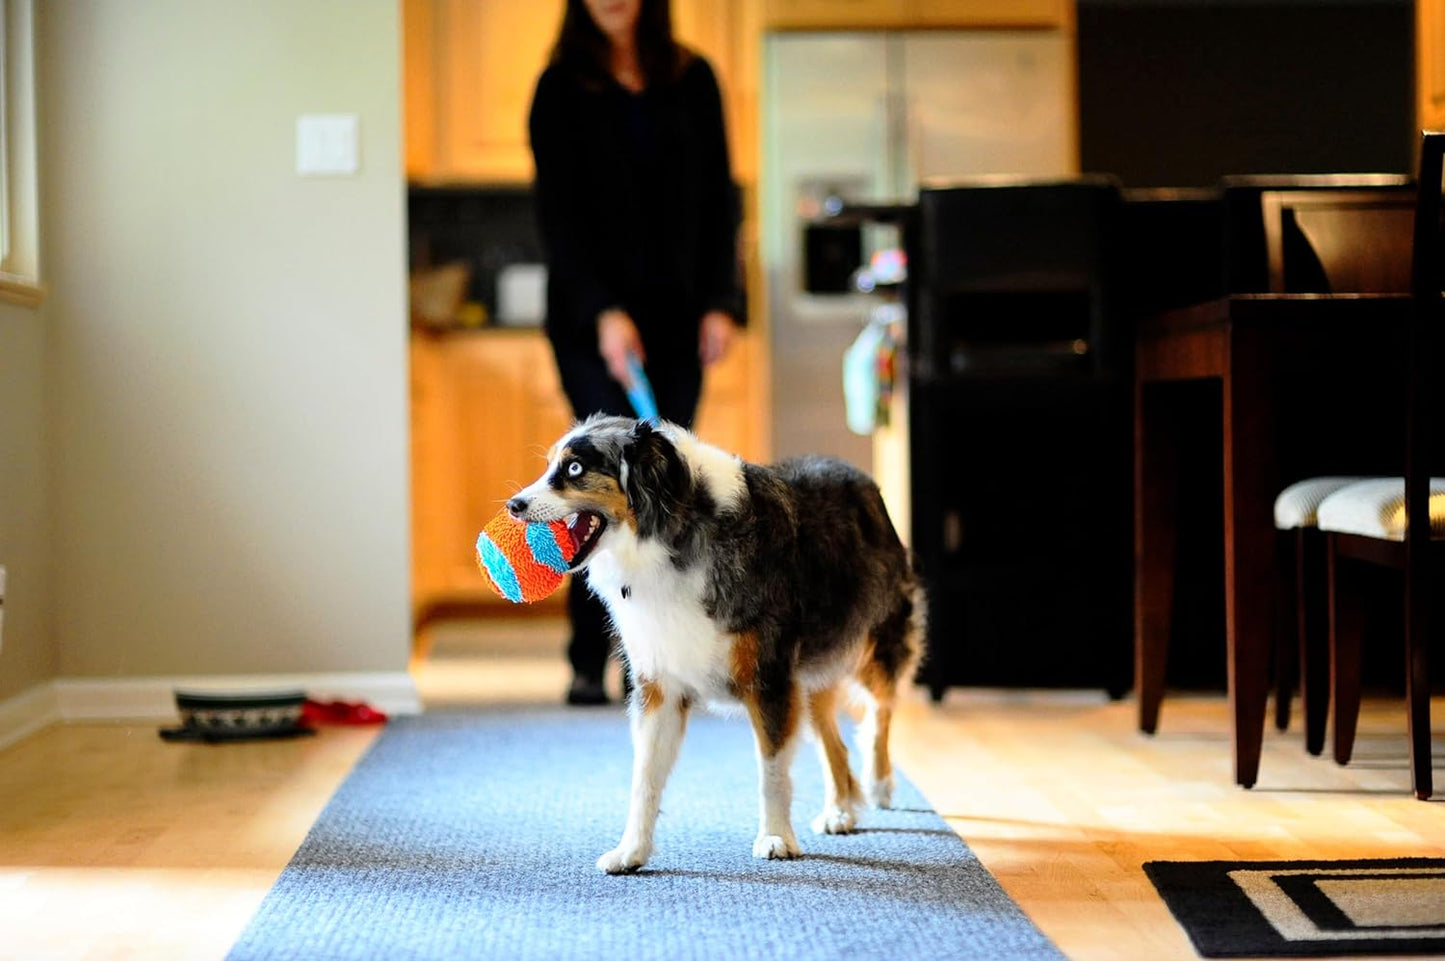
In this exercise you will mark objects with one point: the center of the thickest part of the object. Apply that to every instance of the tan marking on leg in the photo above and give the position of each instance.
(883, 688)
(872, 676)
(649, 695)
(743, 663)
(822, 712)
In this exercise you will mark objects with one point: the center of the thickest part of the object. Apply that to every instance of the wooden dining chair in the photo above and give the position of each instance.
(1398, 522)
(1291, 233)
(1244, 217)
(1341, 237)
(1340, 240)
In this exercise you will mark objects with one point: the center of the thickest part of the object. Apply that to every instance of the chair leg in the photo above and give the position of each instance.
(1312, 623)
(1346, 624)
(1417, 684)
(1156, 509)
(1286, 624)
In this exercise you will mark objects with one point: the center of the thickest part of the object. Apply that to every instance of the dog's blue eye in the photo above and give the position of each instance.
(574, 469)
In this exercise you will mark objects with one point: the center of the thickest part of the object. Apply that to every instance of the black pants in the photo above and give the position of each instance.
(677, 383)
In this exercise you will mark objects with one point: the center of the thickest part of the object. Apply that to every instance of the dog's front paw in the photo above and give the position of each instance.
(835, 820)
(880, 793)
(624, 859)
(775, 847)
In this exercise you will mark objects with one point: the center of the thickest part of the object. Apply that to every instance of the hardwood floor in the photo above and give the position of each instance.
(1063, 800)
(116, 845)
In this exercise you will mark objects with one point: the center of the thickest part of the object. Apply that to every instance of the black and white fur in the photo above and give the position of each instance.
(774, 588)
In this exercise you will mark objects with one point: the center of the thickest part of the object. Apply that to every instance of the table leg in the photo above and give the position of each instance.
(1249, 543)
(1156, 509)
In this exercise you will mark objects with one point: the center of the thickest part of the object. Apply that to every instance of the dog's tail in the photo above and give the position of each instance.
(915, 636)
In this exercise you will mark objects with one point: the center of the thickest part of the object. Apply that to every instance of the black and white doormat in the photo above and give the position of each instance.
(1306, 908)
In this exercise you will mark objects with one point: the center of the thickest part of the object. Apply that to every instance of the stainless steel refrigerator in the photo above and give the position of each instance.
(866, 117)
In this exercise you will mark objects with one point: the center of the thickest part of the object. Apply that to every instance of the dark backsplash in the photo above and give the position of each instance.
(487, 227)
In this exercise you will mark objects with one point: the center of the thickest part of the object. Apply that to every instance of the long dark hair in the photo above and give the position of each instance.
(583, 48)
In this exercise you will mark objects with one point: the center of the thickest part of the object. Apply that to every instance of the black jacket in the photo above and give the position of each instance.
(636, 205)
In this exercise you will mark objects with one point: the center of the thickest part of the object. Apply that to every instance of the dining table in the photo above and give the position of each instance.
(1305, 385)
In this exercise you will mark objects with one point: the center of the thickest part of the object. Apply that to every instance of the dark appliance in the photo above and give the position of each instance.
(1020, 435)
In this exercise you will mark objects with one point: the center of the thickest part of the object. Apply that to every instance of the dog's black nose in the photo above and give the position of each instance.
(517, 506)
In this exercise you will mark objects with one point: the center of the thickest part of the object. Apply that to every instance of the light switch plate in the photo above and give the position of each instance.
(328, 144)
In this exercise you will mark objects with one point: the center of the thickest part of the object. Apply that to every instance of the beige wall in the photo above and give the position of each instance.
(27, 648)
(226, 339)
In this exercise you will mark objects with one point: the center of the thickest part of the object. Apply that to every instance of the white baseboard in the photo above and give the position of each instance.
(27, 712)
(153, 698)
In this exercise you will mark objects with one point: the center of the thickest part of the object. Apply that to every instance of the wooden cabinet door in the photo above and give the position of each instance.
(486, 407)
(497, 435)
(1429, 65)
(472, 103)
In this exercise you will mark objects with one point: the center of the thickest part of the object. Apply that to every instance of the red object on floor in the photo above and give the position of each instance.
(340, 712)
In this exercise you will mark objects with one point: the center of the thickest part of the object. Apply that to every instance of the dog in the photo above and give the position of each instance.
(775, 589)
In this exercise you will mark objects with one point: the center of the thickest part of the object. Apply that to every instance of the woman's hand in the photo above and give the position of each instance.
(617, 336)
(716, 336)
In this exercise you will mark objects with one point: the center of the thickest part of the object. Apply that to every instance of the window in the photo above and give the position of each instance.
(19, 199)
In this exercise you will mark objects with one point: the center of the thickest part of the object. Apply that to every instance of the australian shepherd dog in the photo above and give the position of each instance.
(776, 589)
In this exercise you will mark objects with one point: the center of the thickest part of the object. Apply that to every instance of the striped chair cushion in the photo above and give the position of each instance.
(1298, 504)
(1376, 508)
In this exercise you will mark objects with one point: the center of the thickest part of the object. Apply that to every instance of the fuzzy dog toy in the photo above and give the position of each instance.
(524, 562)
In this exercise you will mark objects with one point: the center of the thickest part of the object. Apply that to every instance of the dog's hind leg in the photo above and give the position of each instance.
(658, 722)
(888, 659)
(873, 743)
(839, 816)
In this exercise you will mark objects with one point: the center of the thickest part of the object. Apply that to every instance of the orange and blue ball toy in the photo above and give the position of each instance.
(524, 562)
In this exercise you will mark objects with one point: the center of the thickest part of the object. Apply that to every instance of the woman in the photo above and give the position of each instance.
(637, 211)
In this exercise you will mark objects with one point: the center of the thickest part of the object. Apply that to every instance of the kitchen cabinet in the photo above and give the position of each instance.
(485, 408)
(1430, 64)
(470, 67)
(469, 72)
(916, 14)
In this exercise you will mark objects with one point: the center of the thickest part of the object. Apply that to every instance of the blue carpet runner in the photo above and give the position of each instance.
(474, 835)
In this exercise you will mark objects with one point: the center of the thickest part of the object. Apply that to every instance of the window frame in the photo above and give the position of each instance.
(19, 193)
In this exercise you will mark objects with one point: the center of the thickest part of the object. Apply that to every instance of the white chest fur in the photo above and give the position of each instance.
(661, 620)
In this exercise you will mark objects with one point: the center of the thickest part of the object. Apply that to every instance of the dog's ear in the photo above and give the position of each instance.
(654, 478)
